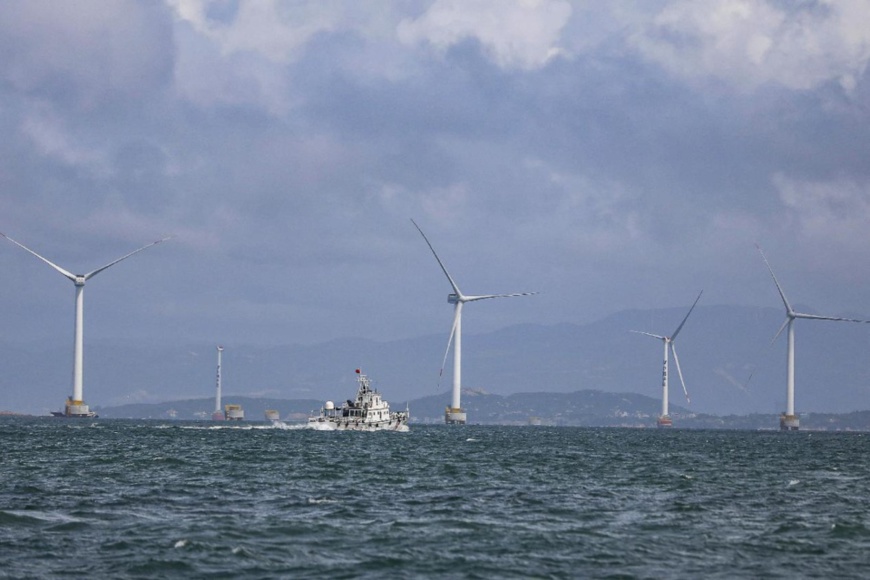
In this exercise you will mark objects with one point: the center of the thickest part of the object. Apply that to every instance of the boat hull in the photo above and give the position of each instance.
(342, 425)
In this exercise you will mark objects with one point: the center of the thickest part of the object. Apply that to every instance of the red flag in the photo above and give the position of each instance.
(357, 371)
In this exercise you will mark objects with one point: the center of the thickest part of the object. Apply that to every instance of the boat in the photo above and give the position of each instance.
(369, 412)
(272, 415)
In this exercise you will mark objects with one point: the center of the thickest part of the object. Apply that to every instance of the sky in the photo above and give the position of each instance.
(608, 155)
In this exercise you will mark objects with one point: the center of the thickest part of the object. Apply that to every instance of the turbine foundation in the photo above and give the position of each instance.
(665, 421)
(234, 412)
(454, 416)
(75, 410)
(789, 422)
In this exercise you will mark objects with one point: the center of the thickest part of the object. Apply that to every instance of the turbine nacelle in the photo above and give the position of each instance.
(79, 280)
(452, 298)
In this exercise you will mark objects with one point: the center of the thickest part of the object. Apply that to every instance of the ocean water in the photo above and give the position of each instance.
(156, 499)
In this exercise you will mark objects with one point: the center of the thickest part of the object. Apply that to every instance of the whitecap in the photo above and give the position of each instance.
(286, 427)
(793, 482)
(319, 426)
(52, 517)
(320, 500)
(249, 427)
(217, 427)
(180, 544)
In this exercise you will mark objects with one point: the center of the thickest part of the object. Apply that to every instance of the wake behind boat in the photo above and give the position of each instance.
(368, 413)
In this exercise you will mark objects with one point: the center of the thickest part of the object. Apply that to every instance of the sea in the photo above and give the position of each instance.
(171, 499)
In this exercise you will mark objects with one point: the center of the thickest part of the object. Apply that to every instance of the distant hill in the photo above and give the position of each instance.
(198, 409)
(592, 408)
(718, 348)
(581, 408)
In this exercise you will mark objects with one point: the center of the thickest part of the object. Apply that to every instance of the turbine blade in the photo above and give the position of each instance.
(816, 317)
(488, 296)
(765, 351)
(775, 281)
(47, 261)
(110, 264)
(648, 334)
(440, 263)
(680, 327)
(778, 332)
(447, 350)
(680, 372)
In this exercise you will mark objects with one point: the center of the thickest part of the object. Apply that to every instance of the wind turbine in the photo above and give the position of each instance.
(789, 421)
(75, 406)
(668, 341)
(455, 413)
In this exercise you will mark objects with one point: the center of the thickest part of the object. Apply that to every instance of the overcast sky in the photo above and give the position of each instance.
(609, 155)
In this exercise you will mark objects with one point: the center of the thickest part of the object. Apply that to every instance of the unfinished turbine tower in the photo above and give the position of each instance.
(218, 414)
(455, 414)
(230, 412)
(789, 421)
(75, 405)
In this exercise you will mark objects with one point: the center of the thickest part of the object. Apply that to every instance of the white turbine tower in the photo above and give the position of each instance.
(668, 341)
(789, 421)
(75, 406)
(218, 414)
(455, 413)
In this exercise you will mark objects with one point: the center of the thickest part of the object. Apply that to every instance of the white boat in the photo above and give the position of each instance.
(369, 412)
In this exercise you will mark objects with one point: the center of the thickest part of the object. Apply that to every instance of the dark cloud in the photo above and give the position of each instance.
(592, 161)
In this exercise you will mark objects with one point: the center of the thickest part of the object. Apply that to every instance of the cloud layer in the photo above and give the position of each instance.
(608, 156)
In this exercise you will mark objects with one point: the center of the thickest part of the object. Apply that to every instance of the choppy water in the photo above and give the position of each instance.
(150, 499)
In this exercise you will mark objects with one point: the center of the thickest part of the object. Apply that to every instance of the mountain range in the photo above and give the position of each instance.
(719, 348)
(580, 408)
